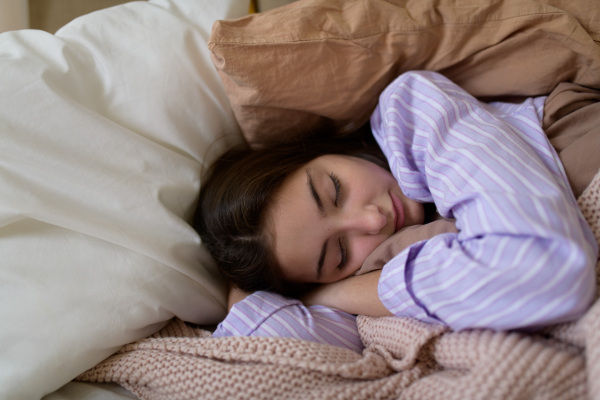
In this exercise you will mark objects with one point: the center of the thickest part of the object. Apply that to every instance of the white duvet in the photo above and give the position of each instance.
(104, 130)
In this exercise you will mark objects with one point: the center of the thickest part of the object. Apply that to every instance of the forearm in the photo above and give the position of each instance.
(355, 295)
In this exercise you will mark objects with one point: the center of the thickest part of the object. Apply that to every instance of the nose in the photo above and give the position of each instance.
(365, 220)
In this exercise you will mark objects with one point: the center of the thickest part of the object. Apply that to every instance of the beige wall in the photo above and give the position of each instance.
(49, 15)
(264, 5)
(14, 14)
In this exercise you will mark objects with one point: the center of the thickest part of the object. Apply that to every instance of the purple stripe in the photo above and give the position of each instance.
(518, 158)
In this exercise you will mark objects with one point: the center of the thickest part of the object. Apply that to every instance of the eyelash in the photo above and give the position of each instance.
(338, 188)
(344, 255)
(338, 193)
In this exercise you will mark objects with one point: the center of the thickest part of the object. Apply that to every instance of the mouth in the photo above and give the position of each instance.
(398, 212)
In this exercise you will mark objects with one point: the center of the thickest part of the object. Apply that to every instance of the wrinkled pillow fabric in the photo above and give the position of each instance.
(321, 64)
(105, 129)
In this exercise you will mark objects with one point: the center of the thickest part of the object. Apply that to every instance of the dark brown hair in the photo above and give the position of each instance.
(234, 200)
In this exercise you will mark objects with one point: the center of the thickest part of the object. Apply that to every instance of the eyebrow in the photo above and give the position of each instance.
(317, 198)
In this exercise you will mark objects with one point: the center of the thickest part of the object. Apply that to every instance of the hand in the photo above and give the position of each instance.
(403, 239)
(354, 295)
(235, 295)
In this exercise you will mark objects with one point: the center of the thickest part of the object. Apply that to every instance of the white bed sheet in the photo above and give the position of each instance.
(91, 391)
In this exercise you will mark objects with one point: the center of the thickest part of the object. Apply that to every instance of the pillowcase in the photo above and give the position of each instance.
(105, 129)
(321, 64)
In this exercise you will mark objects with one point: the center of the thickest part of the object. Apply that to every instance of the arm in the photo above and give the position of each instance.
(524, 256)
(354, 295)
(272, 315)
(358, 294)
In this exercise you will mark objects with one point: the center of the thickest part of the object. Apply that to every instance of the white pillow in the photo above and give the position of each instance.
(105, 128)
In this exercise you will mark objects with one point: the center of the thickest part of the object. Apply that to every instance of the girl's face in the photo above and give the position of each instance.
(331, 214)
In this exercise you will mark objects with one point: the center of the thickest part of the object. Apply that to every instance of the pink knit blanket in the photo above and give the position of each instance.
(403, 358)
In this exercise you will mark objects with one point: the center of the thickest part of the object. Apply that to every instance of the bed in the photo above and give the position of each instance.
(108, 125)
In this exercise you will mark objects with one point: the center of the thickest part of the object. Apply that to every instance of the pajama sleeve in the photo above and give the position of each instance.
(273, 315)
(523, 257)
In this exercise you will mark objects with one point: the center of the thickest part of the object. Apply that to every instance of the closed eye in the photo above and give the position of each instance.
(344, 252)
(338, 188)
(338, 194)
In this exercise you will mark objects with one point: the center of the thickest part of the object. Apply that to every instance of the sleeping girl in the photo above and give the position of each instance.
(461, 216)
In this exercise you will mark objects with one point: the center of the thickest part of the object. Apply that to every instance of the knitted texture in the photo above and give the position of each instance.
(404, 358)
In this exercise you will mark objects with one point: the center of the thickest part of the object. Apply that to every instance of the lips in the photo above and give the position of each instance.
(398, 212)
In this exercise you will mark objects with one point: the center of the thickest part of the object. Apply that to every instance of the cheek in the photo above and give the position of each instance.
(414, 212)
(362, 248)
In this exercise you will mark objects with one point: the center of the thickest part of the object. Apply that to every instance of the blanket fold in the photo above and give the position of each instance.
(404, 358)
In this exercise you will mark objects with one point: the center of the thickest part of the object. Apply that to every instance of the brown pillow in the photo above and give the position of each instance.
(322, 63)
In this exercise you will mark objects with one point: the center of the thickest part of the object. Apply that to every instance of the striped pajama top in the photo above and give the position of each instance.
(523, 258)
